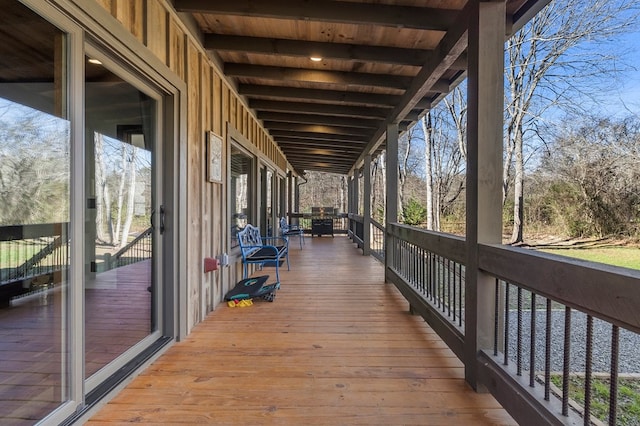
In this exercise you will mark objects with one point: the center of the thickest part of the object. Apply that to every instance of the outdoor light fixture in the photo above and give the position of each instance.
(316, 58)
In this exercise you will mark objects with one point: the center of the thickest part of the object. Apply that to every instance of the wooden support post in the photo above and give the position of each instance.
(289, 194)
(366, 213)
(485, 91)
(391, 191)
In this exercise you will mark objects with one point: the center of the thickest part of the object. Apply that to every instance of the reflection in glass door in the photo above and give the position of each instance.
(35, 180)
(121, 240)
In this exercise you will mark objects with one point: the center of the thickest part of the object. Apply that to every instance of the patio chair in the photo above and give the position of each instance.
(262, 251)
(291, 231)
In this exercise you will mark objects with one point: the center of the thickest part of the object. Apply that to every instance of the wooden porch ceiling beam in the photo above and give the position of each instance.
(347, 161)
(452, 45)
(317, 76)
(318, 119)
(307, 144)
(318, 128)
(318, 95)
(298, 48)
(524, 14)
(421, 18)
(311, 108)
(355, 139)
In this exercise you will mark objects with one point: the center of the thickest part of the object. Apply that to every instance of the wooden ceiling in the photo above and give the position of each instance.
(383, 62)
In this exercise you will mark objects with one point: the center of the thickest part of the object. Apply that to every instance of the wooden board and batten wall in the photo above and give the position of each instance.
(212, 106)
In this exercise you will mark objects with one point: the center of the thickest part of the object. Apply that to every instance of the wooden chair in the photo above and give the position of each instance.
(262, 251)
(287, 231)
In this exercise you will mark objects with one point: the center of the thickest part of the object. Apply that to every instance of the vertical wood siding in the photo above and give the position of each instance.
(211, 105)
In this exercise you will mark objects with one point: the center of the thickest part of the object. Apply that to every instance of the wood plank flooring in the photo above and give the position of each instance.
(336, 347)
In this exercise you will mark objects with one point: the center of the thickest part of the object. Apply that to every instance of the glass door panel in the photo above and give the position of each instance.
(120, 242)
(35, 177)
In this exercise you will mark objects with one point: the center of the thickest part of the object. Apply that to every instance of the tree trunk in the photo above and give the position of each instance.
(518, 188)
(130, 199)
(427, 131)
(120, 202)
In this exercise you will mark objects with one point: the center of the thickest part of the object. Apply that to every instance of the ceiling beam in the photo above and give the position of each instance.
(310, 108)
(317, 128)
(288, 133)
(346, 147)
(421, 18)
(524, 14)
(318, 95)
(452, 45)
(318, 119)
(347, 161)
(317, 76)
(306, 49)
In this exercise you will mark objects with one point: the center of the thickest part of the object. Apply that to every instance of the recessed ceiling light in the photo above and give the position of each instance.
(94, 61)
(316, 58)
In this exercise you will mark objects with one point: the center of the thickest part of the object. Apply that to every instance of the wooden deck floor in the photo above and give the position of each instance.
(336, 347)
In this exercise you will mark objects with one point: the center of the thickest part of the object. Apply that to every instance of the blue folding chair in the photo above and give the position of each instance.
(287, 231)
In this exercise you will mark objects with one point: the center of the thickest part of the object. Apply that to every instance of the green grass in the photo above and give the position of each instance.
(628, 398)
(628, 257)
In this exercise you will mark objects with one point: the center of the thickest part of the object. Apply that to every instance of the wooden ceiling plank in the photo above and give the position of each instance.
(318, 119)
(316, 76)
(421, 18)
(353, 139)
(310, 108)
(318, 95)
(318, 128)
(341, 146)
(297, 48)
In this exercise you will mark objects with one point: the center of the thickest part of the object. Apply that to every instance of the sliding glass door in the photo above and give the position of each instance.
(125, 217)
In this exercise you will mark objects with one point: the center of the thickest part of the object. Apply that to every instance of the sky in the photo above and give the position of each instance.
(624, 99)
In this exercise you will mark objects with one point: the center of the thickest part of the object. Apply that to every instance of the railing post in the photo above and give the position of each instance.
(484, 172)
(391, 191)
(366, 208)
(289, 194)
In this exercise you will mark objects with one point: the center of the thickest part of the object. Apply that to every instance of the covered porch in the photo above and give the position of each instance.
(337, 346)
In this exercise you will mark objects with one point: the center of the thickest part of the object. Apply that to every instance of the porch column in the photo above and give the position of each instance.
(356, 192)
(289, 194)
(391, 191)
(349, 205)
(484, 172)
(296, 196)
(366, 212)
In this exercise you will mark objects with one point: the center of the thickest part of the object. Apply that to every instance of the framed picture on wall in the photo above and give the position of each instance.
(214, 156)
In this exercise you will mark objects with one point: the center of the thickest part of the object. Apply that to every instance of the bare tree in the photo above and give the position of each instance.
(598, 163)
(104, 222)
(548, 64)
(427, 131)
(132, 174)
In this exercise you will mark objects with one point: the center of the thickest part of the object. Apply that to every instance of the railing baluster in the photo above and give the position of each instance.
(613, 385)
(547, 353)
(566, 361)
(449, 286)
(587, 371)
(496, 315)
(519, 334)
(532, 343)
(506, 324)
(460, 297)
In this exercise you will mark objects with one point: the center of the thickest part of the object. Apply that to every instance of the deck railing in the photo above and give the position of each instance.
(139, 249)
(31, 257)
(559, 325)
(356, 229)
(377, 238)
(303, 220)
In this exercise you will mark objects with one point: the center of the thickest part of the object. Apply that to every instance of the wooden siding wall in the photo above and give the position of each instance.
(212, 103)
